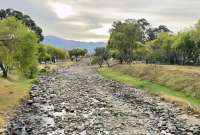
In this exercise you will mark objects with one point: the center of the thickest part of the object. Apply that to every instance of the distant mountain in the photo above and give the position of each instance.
(71, 44)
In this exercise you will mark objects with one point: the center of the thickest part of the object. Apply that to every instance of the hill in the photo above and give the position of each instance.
(71, 44)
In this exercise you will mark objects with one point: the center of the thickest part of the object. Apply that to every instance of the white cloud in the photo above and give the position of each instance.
(104, 30)
(61, 9)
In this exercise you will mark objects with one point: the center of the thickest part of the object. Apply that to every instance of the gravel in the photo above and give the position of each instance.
(77, 101)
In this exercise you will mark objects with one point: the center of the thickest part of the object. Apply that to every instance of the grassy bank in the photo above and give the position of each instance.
(12, 91)
(168, 93)
(179, 78)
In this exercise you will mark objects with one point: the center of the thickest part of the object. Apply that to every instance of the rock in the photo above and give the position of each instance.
(30, 102)
(77, 101)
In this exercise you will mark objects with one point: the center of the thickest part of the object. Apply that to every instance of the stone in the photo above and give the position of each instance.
(77, 101)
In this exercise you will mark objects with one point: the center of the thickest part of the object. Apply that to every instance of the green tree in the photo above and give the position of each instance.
(18, 47)
(24, 18)
(42, 53)
(101, 55)
(26, 55)
(77, 52)
(185, 48)
(125, 37)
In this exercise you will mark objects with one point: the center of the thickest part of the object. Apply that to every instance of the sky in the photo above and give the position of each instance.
(90, 20)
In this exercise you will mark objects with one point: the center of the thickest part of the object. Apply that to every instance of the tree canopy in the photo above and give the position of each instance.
(77, 52)
(101, 55)
(138, 40)
(4, 13)
(124, 37)
(18, 49)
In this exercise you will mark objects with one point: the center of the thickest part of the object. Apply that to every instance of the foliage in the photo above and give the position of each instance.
(125, 37)
(114, 53)
(97, 60)
(150, 33)
(182, 48)
(24, 18)
(137, 40)
(50, 53)
(42, 53)
(77, 52)
(101, 55)
(17, 47)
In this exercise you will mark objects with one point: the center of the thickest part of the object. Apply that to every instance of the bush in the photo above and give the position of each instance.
(97, 60)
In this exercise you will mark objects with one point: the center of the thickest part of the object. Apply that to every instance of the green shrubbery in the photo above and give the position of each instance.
(101, 55)
(77, 53)
(50, 53)
(18, 47)
(20, 50)
(137, 40)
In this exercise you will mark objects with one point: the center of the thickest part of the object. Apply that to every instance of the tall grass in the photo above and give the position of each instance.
(154, 88)
(12, 91)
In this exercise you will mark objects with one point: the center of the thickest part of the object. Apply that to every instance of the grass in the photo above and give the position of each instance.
(179, 78)
(12, 91)
(153, 88)
(54, 67)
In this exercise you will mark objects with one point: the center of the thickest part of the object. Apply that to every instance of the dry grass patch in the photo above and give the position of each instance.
(180, 78)
(125, 74)
(12, 91)
(56, 66)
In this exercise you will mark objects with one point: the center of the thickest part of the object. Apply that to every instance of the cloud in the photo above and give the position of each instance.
(91, 19)
(62, 10)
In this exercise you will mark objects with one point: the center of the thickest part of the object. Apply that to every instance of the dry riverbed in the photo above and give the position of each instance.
(77, 101)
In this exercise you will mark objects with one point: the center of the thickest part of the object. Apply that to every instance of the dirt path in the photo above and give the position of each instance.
(76, 101)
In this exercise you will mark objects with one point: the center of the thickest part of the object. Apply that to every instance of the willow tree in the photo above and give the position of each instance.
(17, 47)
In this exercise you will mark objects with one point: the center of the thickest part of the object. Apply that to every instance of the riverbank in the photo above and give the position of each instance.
(173, 83)
(12, 91)
(15, 89)
(77, 100)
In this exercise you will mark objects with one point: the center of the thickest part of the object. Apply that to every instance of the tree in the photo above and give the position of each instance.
(125, 37)
(18, 47)
(185, 48)
(101, 55)
(5, 60)
(77, 52)
(162, 48)
(150, 33)
(97, 60)
(42, 53)
(138, 40)
(24, 18)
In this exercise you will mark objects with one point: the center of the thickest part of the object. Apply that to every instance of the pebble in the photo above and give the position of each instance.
(78, 101)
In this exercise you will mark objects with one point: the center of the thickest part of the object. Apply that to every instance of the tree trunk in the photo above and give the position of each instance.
(100, 65)
(121, 61)
(107, 63)
(4, 69)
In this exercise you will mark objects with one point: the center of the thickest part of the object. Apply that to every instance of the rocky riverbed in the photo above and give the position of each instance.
(77, 101)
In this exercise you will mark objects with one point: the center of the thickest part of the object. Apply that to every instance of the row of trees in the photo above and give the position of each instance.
(182, 48)
(128, 36)
(75, 53)
(20, 50)
(50, 53)
(138, 40)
